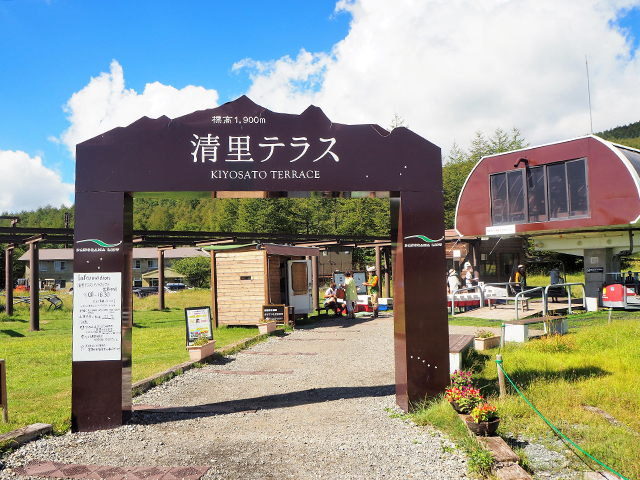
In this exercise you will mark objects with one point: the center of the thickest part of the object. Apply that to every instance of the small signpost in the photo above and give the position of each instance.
(3, 393)
(275, 312)
(198, 323)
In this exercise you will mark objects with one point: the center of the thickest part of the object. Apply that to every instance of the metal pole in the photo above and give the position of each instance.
(569, 293)
(503, 390)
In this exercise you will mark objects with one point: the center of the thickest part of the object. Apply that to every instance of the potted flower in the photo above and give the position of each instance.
(266, 326)
(202, 347)
(463, 399)
(485, 340)
(461, 379)
(484, 419)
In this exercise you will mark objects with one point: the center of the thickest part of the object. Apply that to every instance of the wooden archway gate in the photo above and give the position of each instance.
(236, 148)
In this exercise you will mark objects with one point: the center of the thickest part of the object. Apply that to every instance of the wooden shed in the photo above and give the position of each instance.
(246, 277)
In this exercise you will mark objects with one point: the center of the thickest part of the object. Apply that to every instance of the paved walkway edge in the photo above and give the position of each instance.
(143, 385)
(506, 461)
(16, 438)
(24, 435)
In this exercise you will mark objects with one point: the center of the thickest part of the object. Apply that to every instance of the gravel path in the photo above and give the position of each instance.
(325, 414)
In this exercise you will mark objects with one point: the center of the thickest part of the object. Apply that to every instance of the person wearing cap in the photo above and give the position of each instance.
(453, 281)
(374, 288)
(468, 275)
(520, 278)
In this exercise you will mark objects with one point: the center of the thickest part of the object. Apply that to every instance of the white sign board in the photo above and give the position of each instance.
(97, 313)
(501, 230)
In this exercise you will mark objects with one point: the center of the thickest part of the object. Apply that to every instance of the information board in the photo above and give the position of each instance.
(274, 312)
(97, 313)
(198, 321)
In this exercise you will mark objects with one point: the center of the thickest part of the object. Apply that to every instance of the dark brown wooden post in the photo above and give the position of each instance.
(8, 278)
(101, 381)
(161, 278)
(420, 314)
(214, 291)
(387, 284)
(34, 286)
(3, 392)
(378, 268)
(314, 276)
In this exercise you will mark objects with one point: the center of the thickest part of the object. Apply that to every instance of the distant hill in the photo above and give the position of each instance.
(628, 135)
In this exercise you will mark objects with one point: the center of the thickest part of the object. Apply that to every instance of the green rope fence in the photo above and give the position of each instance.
(558, 432)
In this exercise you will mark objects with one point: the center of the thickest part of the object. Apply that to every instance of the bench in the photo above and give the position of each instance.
(458, 345)
(27, 300)
(518, 330)
(55, 302)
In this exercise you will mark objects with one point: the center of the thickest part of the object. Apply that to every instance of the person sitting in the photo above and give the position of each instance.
(331, 300)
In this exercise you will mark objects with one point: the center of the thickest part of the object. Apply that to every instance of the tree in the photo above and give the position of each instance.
(196, 270)
(397, 121)
(459, 164)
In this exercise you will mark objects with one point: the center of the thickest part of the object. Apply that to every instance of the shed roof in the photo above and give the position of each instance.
(48, 254)
(271, 249)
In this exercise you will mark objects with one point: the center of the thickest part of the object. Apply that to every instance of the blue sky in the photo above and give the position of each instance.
(70, 69)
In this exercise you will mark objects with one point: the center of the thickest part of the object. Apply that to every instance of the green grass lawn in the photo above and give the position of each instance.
(597, 364)
(39, 363)
(543, 281)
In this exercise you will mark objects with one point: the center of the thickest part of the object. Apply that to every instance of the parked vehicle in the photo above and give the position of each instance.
(145, 291)
(174, 287)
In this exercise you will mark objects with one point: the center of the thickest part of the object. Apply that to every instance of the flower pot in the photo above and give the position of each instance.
(457, 407)
(487, 343)
(266, 328)
(483, 428)
(198, 352)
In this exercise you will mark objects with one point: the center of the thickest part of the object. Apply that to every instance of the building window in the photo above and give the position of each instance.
(60, 266)
(137, 282)
(136, 265)
(557, 191)
(487, 265)
(507, 198)
(43, 266)
(536, 195)
(152, 264)
(62, 283)
(558, 208)
(578, 189)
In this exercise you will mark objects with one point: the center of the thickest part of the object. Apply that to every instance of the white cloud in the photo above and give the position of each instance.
(32, 185)
(105, 104)
(450, 68)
